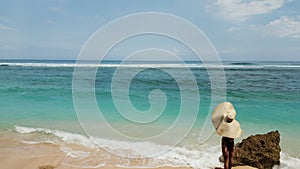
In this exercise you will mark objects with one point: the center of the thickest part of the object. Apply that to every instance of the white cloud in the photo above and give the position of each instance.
(6, 28)
(244, 28)
(240, 10)
(285, 27)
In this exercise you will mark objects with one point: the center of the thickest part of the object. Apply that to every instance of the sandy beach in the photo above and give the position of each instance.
(55, 161)
(17, 155)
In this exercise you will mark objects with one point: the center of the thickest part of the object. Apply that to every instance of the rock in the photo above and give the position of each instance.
(261, 151)
(46, 167)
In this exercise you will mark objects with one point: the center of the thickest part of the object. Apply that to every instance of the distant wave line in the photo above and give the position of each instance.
(150, 65)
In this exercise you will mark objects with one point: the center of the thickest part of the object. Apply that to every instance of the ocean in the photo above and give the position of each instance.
(37, 106)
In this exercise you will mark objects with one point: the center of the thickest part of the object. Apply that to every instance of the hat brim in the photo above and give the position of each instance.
(230, 130)
(223, 128)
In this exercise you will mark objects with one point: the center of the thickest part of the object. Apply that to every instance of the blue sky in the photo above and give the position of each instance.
(239, 29)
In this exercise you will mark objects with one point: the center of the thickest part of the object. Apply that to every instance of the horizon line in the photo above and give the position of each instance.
(27, 59)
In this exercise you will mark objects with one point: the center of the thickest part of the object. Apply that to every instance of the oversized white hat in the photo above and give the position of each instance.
(223, 118)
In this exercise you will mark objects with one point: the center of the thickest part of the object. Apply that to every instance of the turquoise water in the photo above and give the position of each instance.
(266, 96)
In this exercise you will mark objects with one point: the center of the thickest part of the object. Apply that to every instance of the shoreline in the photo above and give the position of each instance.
(56, 162)
(15, 154)
(34, 147)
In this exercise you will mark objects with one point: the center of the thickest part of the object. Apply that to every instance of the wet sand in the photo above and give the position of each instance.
(17, 155)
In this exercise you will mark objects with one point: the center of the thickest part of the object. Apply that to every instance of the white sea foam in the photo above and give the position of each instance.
(100, 65)
(75, 153)
(39, 64)
(26, 130)
(136, 149)
(153, 65)
(288, 162)
(196, 156)
(64, 136)
(37, 142)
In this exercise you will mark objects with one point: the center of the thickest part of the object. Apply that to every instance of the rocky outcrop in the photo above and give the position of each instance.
(261, 151)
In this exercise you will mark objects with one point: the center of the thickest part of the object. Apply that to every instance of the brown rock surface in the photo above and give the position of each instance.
(261, 151)
(46, 167)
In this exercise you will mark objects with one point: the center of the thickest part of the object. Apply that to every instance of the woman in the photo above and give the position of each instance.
(223, 118)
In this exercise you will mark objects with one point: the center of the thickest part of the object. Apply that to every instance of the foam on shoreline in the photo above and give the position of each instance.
(82, 152)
